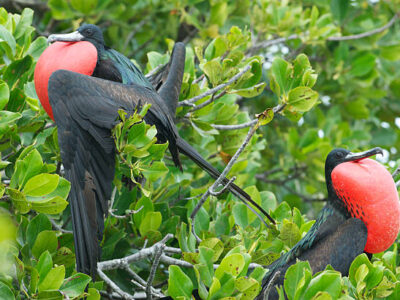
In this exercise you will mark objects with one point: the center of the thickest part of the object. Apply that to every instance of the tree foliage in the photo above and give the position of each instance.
(310, 76)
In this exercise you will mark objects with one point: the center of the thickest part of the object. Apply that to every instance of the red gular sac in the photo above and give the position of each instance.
(370, 194)
(80, 57)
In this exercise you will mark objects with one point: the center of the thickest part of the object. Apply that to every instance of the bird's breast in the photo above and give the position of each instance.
(80, 57)
(369, 193)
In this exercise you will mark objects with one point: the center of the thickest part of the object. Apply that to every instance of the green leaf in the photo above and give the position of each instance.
(8, 39)
(290, 233)
(60, 9)
(37, 47)
(179, 284)
(36, 225)
(75, 285)
(205, 266)
(281, 72)
(375, 272)
(53, 205)
(4, 95)
(50, 295)
(44, 265)
(248, 286)
(328, 281)
(19, 200)
(391, 53)
(339, 9)
(5, 292)
(215, 244)
(302, 99)
(362, 64)
(297, 279)
(251, 91)
(16, 70)
(24, 22)
(213, 71)
(232, 264)
(157, 170)
(7, 117)
(240, 214)
(151, 221)
(41, 185)
(53, 280)
(93, 294)
(85, 7)
(45, 241)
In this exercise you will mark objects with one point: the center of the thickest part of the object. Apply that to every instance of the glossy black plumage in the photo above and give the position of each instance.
(335, 238)
(85, 110)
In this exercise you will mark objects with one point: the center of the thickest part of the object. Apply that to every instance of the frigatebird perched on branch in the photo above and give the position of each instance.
(82, 84)
(362, 215)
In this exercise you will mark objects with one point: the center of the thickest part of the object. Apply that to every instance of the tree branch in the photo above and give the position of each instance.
(191, 101)
(365, 34)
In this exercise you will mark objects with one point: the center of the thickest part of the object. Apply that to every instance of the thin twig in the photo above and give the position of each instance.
(209, 92)
(222, 177)
(140, 282)
(365, 34)
(269, 43)
(120, 263)
(396, 172)
(156, 262)
(214, 193)
(276, 109)
(113, 286)
(58, 227)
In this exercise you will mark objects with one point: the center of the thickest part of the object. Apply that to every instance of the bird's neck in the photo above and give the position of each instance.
(335, 202)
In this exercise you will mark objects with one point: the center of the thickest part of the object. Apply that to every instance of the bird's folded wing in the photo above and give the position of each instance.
(85, 110)
(168, 80)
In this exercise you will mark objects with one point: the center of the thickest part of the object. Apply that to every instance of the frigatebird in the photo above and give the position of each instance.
(82, 84)
(362, 214)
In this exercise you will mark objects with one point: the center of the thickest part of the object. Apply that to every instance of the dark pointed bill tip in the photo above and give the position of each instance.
(67, 37)
(361, 155)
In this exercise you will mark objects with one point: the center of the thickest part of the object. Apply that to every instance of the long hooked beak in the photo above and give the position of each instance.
(66, 37)
(361, 155)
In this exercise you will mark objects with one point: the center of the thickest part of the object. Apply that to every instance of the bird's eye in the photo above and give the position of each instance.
(339, 154)
(89, 31)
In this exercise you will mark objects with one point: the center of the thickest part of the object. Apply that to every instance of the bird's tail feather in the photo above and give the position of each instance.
(190, 152)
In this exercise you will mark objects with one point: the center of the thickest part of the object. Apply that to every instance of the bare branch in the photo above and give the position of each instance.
(365, 34)
(276, 109)
(128, 212)
(396, 172)
(115, 287)
(120, 263)
(214, 193)
(269, 43)
(58, 227)
(209, 92)
(156, 262)
(235, 127)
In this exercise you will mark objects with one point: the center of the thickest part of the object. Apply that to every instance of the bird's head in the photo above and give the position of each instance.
(340, 155)
(362, 188)
(87, 32)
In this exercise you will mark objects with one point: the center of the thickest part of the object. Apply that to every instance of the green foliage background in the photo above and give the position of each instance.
(354, 103)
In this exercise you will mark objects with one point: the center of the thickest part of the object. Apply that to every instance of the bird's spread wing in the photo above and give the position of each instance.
(85, 110)
(168, 80)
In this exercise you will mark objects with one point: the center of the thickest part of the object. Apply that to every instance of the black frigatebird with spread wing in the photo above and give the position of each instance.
(362, 215)
(85, 109)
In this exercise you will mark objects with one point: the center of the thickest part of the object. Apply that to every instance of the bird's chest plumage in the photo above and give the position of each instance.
(369, 193)
(78, 57)
(107, 70)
